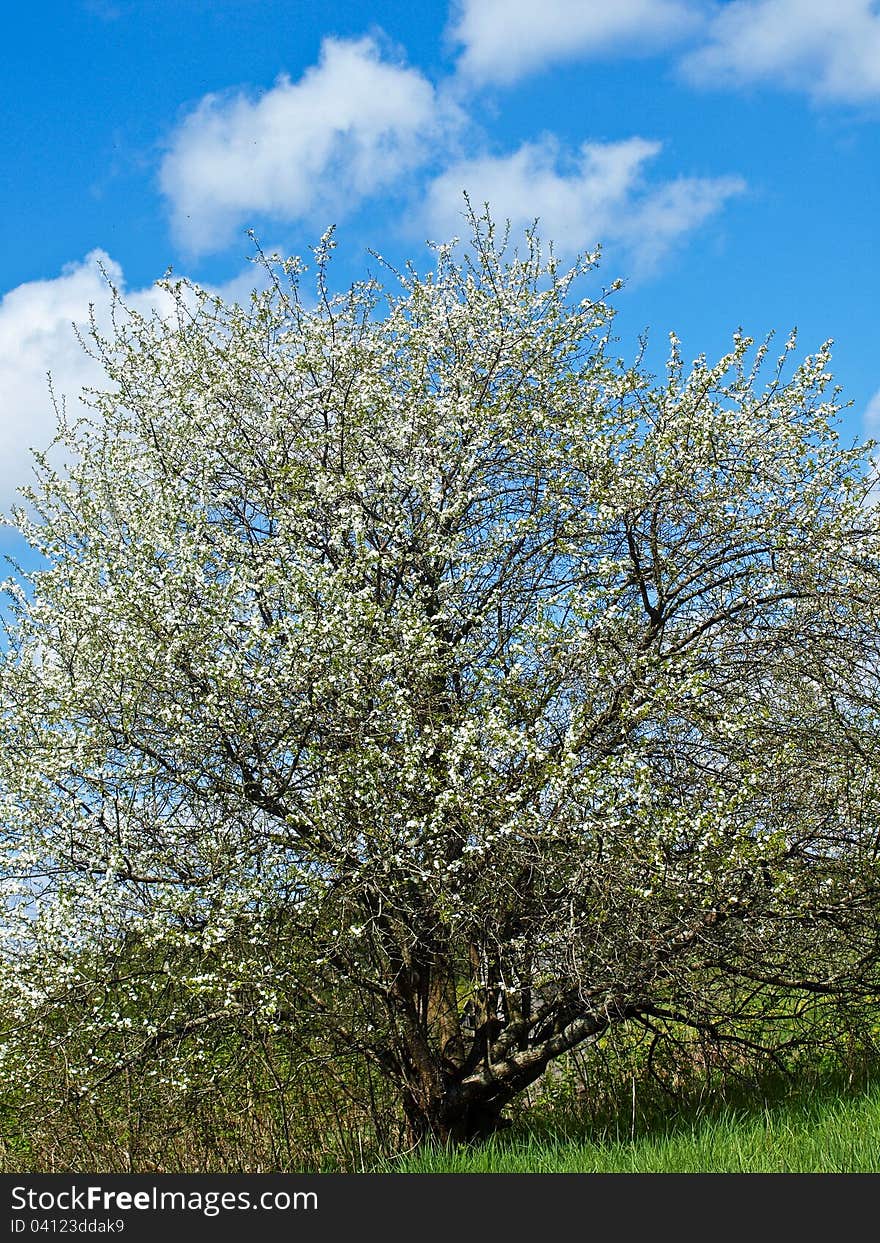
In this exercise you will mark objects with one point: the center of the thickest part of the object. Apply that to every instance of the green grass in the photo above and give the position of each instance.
(825, 1133)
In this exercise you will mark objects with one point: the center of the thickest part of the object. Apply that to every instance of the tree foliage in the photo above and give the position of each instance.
(408, 675)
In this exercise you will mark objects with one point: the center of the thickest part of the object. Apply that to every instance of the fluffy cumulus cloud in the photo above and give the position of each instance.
(38, 335)
(352, 125)
(872, 415)
(831, 50)
(599, 195)
(503, 40)
(828, 48)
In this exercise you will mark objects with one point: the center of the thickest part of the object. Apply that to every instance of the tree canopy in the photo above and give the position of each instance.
(408, 674)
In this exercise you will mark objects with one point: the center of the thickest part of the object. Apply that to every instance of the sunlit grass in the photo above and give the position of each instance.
(821, 1120)
(824, 1134)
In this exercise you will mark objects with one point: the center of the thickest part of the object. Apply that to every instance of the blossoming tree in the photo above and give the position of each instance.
(406, 673)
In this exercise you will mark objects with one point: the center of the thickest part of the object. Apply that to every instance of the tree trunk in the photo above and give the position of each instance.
(451, 1121)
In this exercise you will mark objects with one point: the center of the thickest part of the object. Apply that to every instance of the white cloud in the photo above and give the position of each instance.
(828, 48)
(351, 126)
(600, 195)
(505, 39)
(871, 416)
(37, 336)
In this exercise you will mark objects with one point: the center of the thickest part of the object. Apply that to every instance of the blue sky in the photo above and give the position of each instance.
(726, 155)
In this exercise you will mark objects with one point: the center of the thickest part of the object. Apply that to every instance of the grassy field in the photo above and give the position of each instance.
(807, 1133)
(820, 1120)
